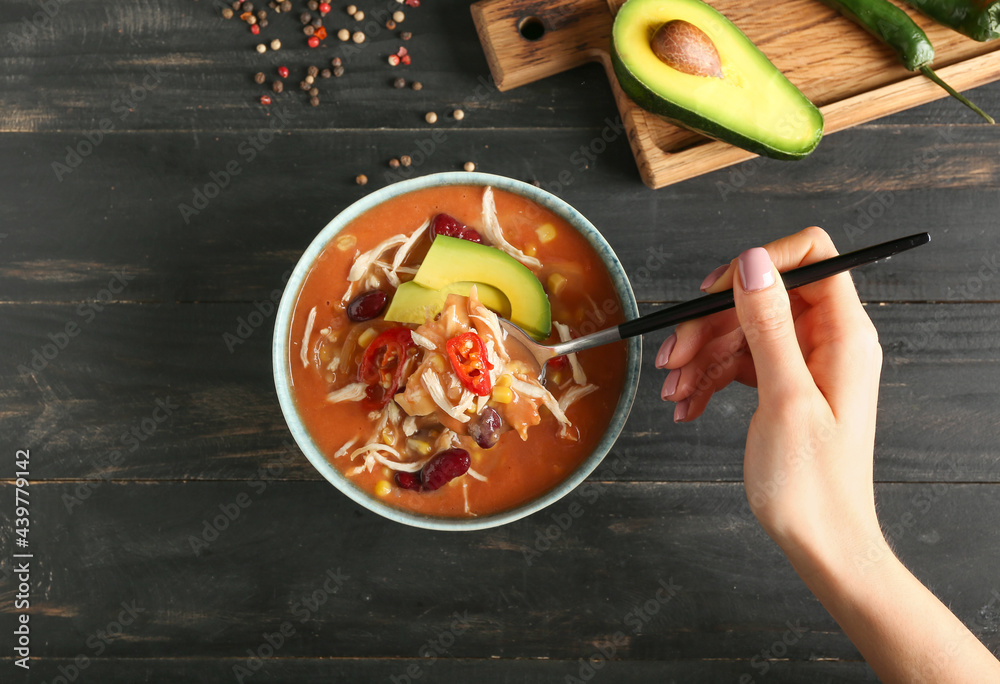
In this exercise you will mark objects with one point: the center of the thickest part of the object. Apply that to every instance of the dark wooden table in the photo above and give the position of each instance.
(177, 534)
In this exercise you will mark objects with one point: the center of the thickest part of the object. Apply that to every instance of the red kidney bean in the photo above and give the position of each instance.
(367, 305)
(408, 480)
(485, 428)
(445, 467)
(442, 224)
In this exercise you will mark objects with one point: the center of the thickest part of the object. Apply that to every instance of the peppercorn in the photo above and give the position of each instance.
(405, 160)
(261, 15)
(283, 71)
(314, 92)
(351, 9)
(326, 73)
(236, 5)
(227, 13)
(248, 7)
(314, 42)
(277, 86)
(344, 35)
(359, 16)
(286, 6)
(313, 5)
(399, 83)
(336, 61)
(405, 59)
(255, 29)
(275, 44)
(405, 35)
(310, 79)
(458, 115)
(361, 179)
(338, 71)
(317, 22)
(308, 30)
(417, 85)
(313, 71)
(314, 101)
(305, 18)
(391, 25)
(321, 33)
(393, 60)
(260, 24)
(324, 8)
(393, 163)
(260, 77)
(398, 17)
(431, 117)
(304, 86)
(273, 5)
(261, 48)
(358, 37)
(469, 166)
(265, 99)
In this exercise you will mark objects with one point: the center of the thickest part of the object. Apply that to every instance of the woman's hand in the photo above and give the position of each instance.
(814, 357)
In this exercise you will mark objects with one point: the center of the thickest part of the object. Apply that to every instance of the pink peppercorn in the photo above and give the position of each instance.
(255, 29)
(265, 99)
(314, 42)
(283, 71)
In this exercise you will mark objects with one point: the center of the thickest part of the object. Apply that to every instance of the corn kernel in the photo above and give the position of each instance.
(388, 436)
(556, 282)
(531, 250)
(383, 488)
(503, 395)
(365, 338)
(505, 380)
(546, 232)
(437, 361)
(419, 446)
(556, 378)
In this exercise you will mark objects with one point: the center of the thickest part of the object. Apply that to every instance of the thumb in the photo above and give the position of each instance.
(765, 316)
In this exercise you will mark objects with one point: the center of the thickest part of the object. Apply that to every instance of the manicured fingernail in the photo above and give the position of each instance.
(713, 276)
(663, 356)
(756, 269)
(670, 384)
(681, 410)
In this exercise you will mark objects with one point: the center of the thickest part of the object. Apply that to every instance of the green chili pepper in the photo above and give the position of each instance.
(978, 19)
(894, 27)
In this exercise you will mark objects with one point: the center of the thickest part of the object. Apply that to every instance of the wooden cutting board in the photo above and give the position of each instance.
(848, 73)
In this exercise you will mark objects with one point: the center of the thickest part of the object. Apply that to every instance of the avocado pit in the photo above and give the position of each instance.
(685, 47)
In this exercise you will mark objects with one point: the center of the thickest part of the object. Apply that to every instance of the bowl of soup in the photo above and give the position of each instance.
(396, 380)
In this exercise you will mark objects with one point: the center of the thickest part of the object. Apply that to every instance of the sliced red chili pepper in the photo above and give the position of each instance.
(471, 363)
(382, 366)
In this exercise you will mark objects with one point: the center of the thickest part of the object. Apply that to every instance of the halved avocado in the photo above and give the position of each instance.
(413, 302)
(748, 102)
(451, 260)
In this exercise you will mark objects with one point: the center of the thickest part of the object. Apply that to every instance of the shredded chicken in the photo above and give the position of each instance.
(353, 392)
(365, 261)
(409, 426)
(532, 390)
(432, 382)
(304, 351)
(422, 341)
(404, 249)
(478, 476)
(344, 449)
(574, 394)
(491, 227)
(579, 376)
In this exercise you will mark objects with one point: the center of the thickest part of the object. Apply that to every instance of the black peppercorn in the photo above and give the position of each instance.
(260, 77)
(326, 73)
(316, 23)
(399, 83)
(308, 30)
(314, 92)
(314, 101)
(277, 86)
(305, 18)
(338, 71)
(313, 71)
(336, 61)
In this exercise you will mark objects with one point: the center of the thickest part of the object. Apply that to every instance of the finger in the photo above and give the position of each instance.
(766, 318)
(717, 364)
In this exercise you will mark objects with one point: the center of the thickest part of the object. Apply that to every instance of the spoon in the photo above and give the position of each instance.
(709, 304)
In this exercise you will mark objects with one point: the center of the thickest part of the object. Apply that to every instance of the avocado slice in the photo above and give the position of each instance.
(451, 260)
(414, 303)
(737, 95)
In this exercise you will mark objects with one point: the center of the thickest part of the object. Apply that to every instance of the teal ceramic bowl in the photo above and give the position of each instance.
(280, 357)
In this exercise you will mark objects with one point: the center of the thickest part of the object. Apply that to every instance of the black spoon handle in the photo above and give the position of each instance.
(720, 301)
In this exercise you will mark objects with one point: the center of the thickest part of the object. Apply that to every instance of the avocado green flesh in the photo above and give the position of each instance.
(451, 260)
(414, 303)
(753, 106)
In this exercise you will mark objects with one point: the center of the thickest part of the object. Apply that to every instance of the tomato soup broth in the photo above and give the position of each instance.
(513, 472)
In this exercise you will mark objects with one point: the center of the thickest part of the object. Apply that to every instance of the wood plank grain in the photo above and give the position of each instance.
(679, 571)
(159, 392)
(120, 208)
